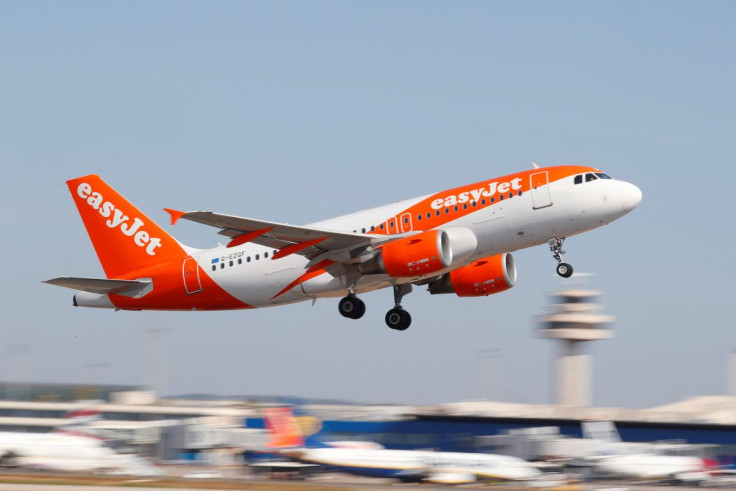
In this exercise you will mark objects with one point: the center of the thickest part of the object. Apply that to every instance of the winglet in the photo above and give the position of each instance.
(175, 215)
(534, 165)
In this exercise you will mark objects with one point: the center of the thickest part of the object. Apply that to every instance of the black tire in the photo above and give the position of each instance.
(564, 270)
(398, 319)
(351, 307)
(407, 321)
(360, 310)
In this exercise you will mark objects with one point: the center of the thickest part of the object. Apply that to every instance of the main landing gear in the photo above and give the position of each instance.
(351, 307)
(563, 269)
(398, 318)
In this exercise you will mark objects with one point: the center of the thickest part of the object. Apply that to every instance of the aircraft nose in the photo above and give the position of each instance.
(631, 196)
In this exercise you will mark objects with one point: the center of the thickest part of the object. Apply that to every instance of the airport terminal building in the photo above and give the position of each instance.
(220, 431)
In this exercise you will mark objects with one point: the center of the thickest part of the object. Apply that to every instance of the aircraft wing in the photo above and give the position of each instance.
(290, 239)
(99, 285)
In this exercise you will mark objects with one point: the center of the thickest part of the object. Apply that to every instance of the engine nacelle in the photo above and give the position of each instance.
(483, 277)
(417, 255)
(422, 254)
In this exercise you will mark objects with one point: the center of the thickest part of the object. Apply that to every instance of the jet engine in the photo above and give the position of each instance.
(422, 254)
(483, 277)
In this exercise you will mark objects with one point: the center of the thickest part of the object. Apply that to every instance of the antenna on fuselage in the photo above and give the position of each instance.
(534, 165)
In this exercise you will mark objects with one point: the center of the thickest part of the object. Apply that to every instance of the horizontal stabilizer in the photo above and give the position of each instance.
(101, 286)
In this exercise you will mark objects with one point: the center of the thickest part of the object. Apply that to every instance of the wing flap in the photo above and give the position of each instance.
(100, 286)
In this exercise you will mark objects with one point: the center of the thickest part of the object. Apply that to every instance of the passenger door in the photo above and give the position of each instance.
(190, 271)
(540, 190)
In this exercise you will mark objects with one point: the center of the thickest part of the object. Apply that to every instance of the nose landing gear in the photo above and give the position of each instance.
(563, 269)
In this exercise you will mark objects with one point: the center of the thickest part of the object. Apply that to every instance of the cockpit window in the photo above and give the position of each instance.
(602, 175)
(578, 179)
(590, 177)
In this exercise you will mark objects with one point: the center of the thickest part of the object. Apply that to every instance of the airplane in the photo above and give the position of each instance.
(617, 459)
(454, 241)
(70, 448)
(288, 439)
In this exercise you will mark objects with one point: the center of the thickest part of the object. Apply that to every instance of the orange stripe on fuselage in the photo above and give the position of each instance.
(484, 194)
(169, 291)
(312, 272)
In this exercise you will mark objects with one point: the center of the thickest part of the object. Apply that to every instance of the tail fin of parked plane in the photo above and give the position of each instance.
(604, 433)
(79, 422)
(124, 238)
(286, 430)
(283, 429)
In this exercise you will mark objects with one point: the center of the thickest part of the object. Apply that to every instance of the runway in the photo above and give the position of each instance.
(310, 486)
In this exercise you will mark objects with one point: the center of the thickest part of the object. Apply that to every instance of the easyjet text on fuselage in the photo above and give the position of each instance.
(476, 194)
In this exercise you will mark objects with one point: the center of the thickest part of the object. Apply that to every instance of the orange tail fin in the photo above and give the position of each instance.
(283, 429)
(124, 238)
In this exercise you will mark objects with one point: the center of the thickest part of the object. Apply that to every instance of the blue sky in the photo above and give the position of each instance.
(298, 111)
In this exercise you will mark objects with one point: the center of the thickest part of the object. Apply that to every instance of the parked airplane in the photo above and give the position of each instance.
(287, 439)
(455, 241)
(70, 448)
(614, 458)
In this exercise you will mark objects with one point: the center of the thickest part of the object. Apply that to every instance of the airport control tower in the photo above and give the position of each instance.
(575, 319)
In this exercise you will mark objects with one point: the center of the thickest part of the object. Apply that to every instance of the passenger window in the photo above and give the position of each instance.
(455, 207)
(447, 210)
(500, 198)
(222, 265)
(493, 199)
(240, 260)
(362, 231)
(465, 206)
(214, 268)
(519, 193)
(247, 259)
(406, 220)
(474, 204)
(258, 257)
(392, 224)
(419, 217)
(429, 214)
(231, 264)
(381, 227)
(265, 254)
(511, 195)
(578, 179)
(483, 201)
(373, 228)
(437, 212)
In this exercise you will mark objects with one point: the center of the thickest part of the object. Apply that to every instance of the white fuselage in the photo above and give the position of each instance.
(649, 466)
(407, 463)
(506, 226)
(65, 452)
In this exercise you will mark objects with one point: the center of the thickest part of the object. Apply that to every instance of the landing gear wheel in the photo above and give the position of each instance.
(398, 319)
(555, 245)
(351, 307)
(564, 270)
